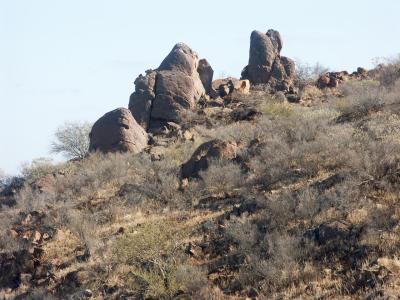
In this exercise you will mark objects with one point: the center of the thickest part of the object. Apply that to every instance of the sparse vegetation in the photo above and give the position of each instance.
(72, 140)
(388, 71)
(4, 179)
(307, 209)
(37, 168)
(307, 74)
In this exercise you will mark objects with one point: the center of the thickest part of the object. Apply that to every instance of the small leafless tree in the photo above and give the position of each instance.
(387, 70)
(2, 178)
(307, 74)
(72, 140)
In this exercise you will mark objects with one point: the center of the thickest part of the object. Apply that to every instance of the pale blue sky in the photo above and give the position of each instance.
(77, 59)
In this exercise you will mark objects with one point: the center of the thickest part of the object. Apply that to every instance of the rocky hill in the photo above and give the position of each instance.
(270, 186)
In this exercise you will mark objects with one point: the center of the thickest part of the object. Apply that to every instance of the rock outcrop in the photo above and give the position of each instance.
(266, 65)
(165, 94)
(227, 86)
(206, 74)
(200, 160)
(334, 79)
(117, 131)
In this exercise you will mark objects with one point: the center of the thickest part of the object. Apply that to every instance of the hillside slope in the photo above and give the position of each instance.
(306, 207)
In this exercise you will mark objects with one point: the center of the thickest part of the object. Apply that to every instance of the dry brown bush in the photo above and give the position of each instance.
(222, 178)
(388, 71)
(303, 169)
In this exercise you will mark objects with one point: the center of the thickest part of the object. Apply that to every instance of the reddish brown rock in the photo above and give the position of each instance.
(117, 131)
(266, 65)
(181, 58)
(334, 79)
(206, 74)
(45, 184)
(324, 80)
(165, 94)
(176, 93)
(141, 100)
(227, 86)
(200, 160)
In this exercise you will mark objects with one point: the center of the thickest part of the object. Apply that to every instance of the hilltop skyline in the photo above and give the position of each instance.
(61, 63)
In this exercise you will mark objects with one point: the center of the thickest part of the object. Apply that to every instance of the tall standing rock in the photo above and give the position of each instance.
(266, 65)
(141, 100)
(206, 73)
(181, 58)
(175, 92)
(165, 94)
(117, 131)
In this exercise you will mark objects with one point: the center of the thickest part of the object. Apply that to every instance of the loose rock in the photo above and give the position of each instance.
(200, 160)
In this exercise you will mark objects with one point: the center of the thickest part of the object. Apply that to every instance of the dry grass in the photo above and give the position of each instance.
(299, 172)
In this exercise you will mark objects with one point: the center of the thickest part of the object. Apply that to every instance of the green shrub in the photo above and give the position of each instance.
(274, 110)
(154, 252)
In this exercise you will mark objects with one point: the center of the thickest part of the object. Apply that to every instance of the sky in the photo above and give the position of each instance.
(75, 60)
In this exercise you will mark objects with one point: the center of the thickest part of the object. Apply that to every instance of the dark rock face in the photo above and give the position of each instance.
(117, 131)
(266, 65)
(11, 267)
(244, 113)
(175, 92)
(276, 39)
(332, 231)
(206, 74)
(200, 160)
(9, 191)
(141, 100)
(164, 95)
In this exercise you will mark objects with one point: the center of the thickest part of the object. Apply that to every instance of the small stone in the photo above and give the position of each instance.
(36, 237)
(25, 278)
(13, 233)
(188, 135)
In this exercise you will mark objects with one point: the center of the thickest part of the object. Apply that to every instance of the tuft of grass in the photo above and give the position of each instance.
(274, 110)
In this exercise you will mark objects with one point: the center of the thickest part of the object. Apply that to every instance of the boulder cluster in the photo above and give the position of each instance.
(266, 65)
(184, 83)
(165, 95)
(334, 79)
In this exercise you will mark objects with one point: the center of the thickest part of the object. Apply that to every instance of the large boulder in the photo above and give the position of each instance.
(141, 100)
(206, 74)
(266, 65)
(165, 94)
(12, 266)
(200, 160)
(182, 59)
(117, 131)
